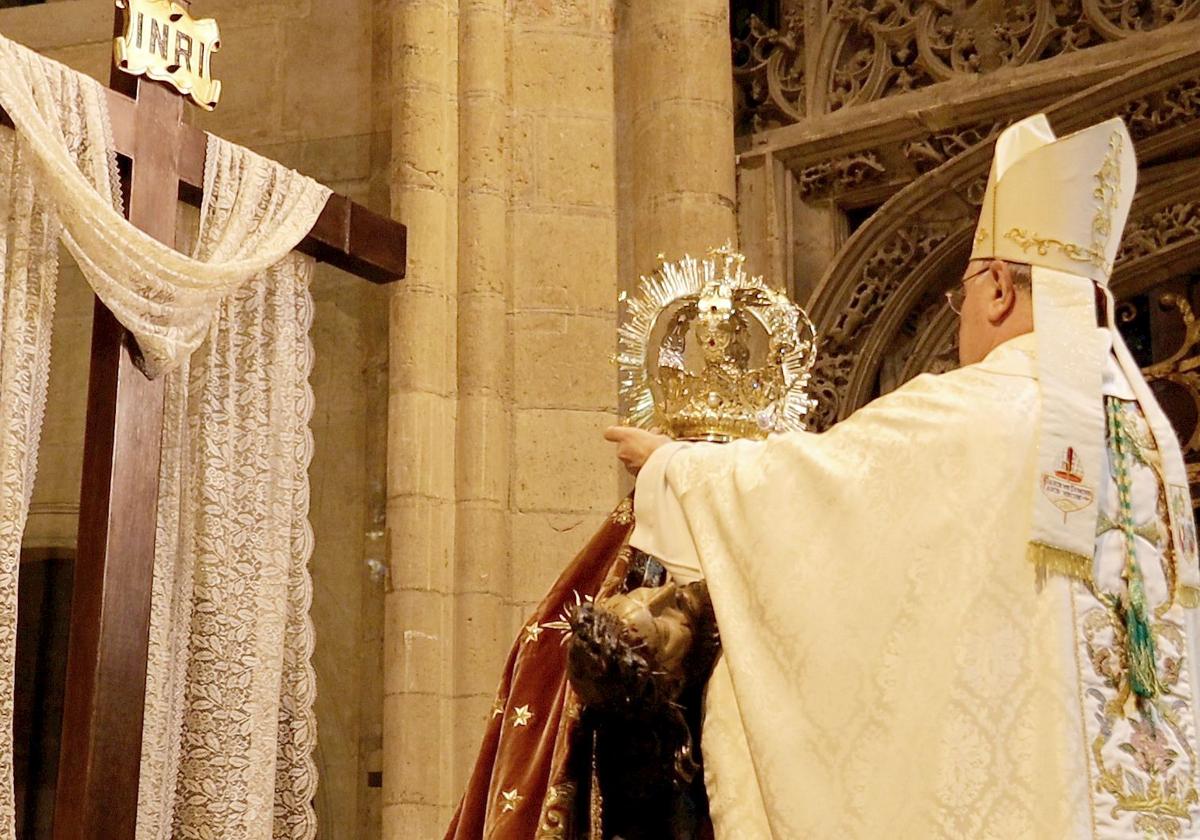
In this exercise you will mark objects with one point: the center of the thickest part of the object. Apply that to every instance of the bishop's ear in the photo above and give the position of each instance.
(1002, 288)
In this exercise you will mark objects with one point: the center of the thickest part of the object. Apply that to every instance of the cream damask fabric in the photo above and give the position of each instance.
(229, 730)
(164, 298)
(893, 666)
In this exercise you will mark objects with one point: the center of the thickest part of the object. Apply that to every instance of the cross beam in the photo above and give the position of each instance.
(347, 235)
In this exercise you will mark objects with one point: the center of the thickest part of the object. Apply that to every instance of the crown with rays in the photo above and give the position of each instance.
(709, 352)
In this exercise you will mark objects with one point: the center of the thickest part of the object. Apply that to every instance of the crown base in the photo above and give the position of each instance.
(714, 429)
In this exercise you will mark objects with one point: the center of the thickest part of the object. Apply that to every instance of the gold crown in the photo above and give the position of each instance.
(708, 352)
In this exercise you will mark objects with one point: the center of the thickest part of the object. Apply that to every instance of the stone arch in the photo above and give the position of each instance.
(877, 304)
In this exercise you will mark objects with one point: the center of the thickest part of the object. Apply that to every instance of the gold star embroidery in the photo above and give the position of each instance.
(498, 708)
(623, 515)
(511, 800)
(521, 716)
(533, 631)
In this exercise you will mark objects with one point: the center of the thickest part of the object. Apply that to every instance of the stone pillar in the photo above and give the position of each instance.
(418, 739)
(563, 225)
(481, 628)
(680, 99)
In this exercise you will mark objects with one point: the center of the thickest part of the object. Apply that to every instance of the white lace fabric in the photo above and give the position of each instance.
(27, 282)
(29, 236)
(229, 729)
(163, 297)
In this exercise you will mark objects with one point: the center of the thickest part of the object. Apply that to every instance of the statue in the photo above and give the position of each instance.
(595, 731)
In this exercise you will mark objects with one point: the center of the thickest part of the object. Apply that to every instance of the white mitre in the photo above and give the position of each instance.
(1060, 205)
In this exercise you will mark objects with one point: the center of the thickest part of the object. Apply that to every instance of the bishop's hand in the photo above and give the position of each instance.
(634, 446)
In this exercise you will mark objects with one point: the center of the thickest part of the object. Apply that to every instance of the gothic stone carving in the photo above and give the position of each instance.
(914, 245)
(1147, 235)
(840, 175)
(931, 152)
(895, 164)
(768, 71)
(871, 49)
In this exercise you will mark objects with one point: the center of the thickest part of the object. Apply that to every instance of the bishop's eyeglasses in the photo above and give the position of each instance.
(955, 296)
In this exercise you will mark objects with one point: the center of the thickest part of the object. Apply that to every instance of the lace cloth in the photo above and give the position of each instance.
(29, 235)
(163, 297)
(229, 728)
(28, 252)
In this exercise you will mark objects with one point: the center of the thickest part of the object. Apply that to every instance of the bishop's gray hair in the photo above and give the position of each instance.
(1022, 273)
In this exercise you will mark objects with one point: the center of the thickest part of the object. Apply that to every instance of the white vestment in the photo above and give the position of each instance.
(893, 667)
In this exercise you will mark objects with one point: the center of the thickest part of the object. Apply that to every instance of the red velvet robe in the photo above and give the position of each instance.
(522, 787)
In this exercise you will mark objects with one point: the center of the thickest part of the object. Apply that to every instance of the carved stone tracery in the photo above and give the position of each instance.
(769, 74)
(1163, 110)
(893, 165)
(930, 152)
(1149, 234)
(866, 50)
(879, 299)
(840, 175)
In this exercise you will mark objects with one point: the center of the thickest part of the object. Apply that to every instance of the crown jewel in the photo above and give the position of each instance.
(708, 352)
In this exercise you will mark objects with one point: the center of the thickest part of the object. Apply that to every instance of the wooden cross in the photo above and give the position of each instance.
(162, 161)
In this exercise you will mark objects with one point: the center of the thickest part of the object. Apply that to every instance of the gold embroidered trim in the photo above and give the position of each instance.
(623, 515)
(595, 800)
(1107, 195)
(1108, 187)
(1189, 596)
(556, 811)
(1050, 558)
(980, 235)
(1079, 253)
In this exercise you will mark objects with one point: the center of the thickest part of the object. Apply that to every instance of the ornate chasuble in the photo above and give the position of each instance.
(1144, 769)
(894, 666)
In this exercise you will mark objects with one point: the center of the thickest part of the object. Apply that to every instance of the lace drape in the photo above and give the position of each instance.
(229, 731)
(161, 296)
(28, 251)
(29, 235)
(229, 727)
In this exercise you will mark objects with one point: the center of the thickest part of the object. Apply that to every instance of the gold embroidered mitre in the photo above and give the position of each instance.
(1058, 203)
(708, 352)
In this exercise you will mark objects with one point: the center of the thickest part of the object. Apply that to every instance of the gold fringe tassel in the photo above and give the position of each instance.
(1052, 559)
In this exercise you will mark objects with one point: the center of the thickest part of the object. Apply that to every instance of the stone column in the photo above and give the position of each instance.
(680, 101)
(481, 628)
(563, 224)
(418, 736)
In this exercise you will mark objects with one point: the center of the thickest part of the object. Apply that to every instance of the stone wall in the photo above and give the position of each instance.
(305, 84)
(543, 152)
(504, 170)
